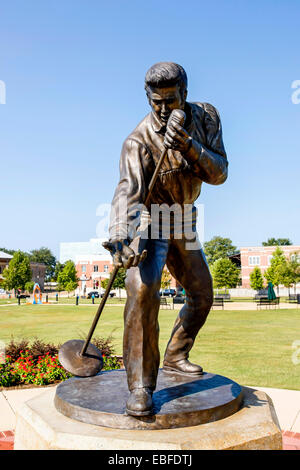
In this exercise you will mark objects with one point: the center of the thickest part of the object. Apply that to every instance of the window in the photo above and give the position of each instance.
(95, 268)
(105, 268)
(269, 259)
(295, 257)
(83, 268)
(254, 260)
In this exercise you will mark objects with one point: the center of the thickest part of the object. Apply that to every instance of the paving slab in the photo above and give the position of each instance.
(16, 397)
(287, 407)
(7, 416)
(11, 401)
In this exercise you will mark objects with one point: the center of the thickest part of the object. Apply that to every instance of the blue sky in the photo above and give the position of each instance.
(74, 73)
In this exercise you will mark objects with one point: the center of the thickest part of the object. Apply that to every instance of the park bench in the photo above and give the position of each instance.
(164, 303)
(218, 303)
(292, 298)
(179, 299)
(268, 303)
(223, 296)
(260, 296)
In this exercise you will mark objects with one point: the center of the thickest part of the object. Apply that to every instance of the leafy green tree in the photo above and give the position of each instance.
(58, 268)
(165, 279)
(104, 283)
(256, 279)
(277, 271)
(277, 242)
(18, 272)
(217, 248)
(294, 269)
(29, 286)
(119, 282)
(225, 273)
(71, 286)
(287, 276)
(9, 252)
(44, 255)
(67, 279)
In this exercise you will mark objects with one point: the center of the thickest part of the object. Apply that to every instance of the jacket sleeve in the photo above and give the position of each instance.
(130, 192)
(210, 160)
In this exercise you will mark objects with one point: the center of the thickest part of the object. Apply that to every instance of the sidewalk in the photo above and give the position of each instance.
(286, 403)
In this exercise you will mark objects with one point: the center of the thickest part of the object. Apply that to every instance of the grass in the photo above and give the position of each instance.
(251, 347)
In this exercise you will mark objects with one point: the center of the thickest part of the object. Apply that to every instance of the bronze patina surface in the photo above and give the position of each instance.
(177, 402)
(85, 365)
(195, 155)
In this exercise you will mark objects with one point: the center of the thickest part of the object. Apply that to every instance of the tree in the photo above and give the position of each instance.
(9, 252)
(29, 286)
(217, 248)
(277, 242)
(119, 282)
(286, 276)
(67, 279)
(278, 269)
(71, 286)
(18, 272)
(165, 279)
(44, 255)
(256, 279)
(104, 283)
(294, 269)
(58, 269)
(225, 273)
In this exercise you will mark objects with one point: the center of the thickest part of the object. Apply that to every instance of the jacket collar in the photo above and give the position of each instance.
(160, 128)
(157, 125)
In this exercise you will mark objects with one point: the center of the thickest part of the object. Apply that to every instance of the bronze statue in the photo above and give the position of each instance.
(195, 154)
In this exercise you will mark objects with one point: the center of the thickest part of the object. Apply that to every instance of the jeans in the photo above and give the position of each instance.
(141, 329)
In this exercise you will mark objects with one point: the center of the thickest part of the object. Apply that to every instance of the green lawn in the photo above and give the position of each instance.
(252, 347)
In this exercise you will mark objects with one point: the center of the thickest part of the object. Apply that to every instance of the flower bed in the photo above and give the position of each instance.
(27, 367)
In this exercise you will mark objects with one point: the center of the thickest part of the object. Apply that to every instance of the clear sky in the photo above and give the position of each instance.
(74, 73)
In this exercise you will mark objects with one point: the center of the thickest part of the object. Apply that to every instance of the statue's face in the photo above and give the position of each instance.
(164, 100)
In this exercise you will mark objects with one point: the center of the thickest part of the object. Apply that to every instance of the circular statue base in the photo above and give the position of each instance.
(177, 401)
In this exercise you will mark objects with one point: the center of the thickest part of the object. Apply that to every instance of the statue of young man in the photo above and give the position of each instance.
(196, 154)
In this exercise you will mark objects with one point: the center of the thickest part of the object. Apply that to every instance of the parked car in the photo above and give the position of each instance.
(96, 294)
(111, 294)
(168, 292)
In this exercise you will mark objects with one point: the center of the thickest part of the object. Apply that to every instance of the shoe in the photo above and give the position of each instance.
(183, 367)
(139, 402)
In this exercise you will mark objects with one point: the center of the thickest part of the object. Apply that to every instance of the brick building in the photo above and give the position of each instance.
(260, 256)
(92, 269)
(4, 261)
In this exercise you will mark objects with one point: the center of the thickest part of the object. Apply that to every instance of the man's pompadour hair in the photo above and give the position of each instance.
(165, 74)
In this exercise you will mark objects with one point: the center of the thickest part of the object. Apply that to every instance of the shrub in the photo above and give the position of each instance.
(37, 348)
(104, 345)
(14, 348)
(38, 363)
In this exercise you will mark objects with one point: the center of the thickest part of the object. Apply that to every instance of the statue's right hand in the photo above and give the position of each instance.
(123, 255)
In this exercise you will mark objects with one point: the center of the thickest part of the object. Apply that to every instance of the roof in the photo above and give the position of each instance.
(4, 255)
